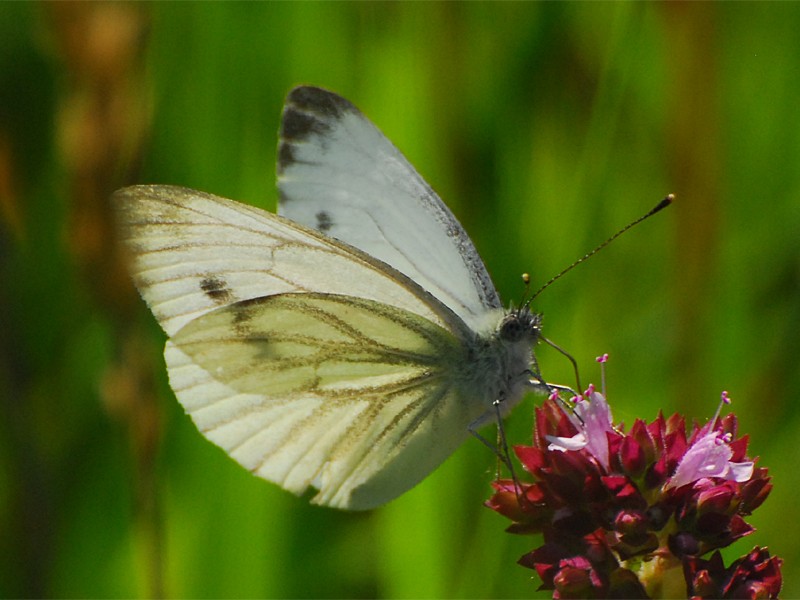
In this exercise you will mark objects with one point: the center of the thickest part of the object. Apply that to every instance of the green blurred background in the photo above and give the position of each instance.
(545, 127)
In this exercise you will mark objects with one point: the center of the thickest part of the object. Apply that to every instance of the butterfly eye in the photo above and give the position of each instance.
(519, 325)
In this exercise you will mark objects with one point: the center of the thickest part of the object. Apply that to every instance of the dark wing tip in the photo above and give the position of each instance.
(311, 110)
(318, 100)
(285, 155)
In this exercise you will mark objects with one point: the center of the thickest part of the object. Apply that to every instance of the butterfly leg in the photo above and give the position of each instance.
(569, 356)
(500, 450)
(540, 385)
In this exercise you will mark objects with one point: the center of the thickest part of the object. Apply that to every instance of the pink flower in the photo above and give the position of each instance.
(710, 456)
(592, 418)
(621, 513)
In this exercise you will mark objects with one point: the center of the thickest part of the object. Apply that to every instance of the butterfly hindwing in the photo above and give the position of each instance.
(320, 343)
(357, 398)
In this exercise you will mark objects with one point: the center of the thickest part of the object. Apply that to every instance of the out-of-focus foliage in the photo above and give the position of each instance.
(545, 127)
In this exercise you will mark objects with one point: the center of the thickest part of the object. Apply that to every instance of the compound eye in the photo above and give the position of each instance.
(518, 326)
(512, 329)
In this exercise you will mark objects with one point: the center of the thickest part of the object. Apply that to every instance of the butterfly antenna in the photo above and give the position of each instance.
(661, 205)
(526, 280)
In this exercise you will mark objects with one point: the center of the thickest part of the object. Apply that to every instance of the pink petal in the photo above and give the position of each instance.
(576, 442)
(741, 471)
(596, 416)
(709, 456)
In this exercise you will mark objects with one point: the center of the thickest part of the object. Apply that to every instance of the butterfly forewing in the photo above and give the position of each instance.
(193, 252)
(339, 174)
(339, 393)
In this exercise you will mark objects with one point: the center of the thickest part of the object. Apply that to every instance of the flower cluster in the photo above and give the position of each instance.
(630, 515)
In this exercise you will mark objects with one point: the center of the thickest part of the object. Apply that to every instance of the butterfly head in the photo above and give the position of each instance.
(520, 325)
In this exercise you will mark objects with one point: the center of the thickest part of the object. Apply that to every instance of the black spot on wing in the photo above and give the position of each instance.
(324, 221)
(216, 289)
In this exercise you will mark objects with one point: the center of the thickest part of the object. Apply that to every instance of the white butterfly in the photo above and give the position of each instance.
(350, 344)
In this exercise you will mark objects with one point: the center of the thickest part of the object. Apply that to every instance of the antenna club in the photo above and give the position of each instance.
(668, 199)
